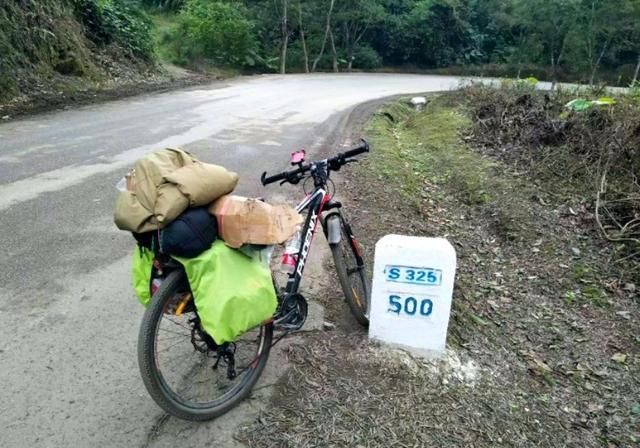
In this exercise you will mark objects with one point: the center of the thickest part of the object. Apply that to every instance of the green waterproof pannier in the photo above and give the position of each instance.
(232, 291)
(141, 265)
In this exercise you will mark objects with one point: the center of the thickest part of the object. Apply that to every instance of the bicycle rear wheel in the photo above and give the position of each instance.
(186, 373)
(351, 272)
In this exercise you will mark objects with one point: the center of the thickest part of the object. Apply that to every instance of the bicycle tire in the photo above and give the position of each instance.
(152, 377)
(354, 301)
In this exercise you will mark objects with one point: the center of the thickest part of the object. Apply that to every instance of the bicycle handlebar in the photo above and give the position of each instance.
(356, 151)
(333, 163)
(269, 180)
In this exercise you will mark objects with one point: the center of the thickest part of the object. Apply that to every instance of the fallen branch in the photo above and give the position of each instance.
(602, 190)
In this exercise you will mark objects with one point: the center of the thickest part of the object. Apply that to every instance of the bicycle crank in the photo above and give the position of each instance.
(292, 314)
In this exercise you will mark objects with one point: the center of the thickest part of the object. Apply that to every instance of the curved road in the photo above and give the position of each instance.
(68, 318)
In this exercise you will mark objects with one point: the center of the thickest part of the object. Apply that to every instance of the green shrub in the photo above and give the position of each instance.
(365, 57)
(295, 59)
(7, 85)
(634, 90)
(168, 5)
(215, 31)
(117, 21)
(89, 14)
(128, 25)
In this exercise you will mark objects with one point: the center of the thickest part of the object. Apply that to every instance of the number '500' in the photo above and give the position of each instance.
(410, 306)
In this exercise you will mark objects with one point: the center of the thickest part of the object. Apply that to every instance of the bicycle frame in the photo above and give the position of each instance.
(319, 206)
(314, 203)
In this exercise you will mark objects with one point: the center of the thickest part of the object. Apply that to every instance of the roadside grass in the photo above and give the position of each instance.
(523, 253)
(426, 149)
(552, 346)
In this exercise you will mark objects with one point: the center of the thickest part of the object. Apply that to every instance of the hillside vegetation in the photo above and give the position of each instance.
(571, 40)
(47, 46)
(53, 47)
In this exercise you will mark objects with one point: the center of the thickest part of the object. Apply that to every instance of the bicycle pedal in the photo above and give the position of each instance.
(293, 313)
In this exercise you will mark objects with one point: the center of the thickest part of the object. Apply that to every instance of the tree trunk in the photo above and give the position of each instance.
(553, 72)
(594, 70)
(347, 39)
(352, 39)
(333, 52)
(304, 42)
(637, 72)
(285, 38)
(324, 40)
(520, 55)
(591, 43)
(555, 62)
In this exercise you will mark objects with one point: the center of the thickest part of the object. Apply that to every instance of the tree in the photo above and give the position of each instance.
(327, 29)
(354, 19)
(284, 27)
(302, 39)
(547, 24)
(436, 33)
(602, 27)
(216, 31)
(334, 54)
(631, 33)
(562, 39)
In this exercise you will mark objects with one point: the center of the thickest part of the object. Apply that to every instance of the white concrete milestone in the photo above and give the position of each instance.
(412, 290)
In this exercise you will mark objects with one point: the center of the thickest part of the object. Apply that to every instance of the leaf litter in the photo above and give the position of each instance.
(543, 347)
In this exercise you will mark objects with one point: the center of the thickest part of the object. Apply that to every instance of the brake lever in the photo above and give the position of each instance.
(293, 179)
(345, 162)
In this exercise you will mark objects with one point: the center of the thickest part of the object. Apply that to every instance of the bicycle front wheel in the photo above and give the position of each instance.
(186, 373)
(351, 272)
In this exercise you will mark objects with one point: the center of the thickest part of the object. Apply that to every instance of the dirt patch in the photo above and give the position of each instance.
(64, 91)
(548, 341)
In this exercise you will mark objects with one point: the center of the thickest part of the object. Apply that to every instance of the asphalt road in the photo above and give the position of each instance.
(68, 317)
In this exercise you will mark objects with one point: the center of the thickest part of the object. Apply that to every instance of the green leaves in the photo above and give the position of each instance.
(167, 5)
(218, 31)
(128, 25)
(117, 21)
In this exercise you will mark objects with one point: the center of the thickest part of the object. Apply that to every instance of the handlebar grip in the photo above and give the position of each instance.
(357, 151)
(269, 180)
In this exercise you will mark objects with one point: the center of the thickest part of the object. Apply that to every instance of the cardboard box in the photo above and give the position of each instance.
(250, 221)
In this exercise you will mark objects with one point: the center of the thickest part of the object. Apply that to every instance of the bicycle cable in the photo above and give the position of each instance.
(331, 185)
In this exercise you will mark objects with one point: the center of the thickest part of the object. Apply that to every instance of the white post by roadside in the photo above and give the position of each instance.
(411, 294)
